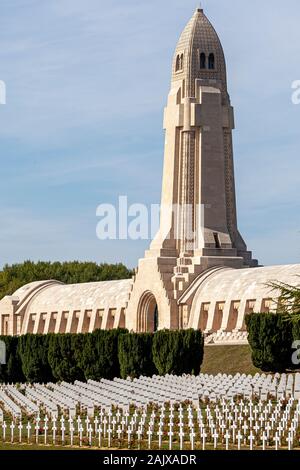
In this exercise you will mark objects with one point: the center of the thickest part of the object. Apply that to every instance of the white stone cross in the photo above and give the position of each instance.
(105, 424)
(28, 427)
(119, 432)
(20, 427)
(262, 420)
(239, 439)
(129, 432)
(227, 437)
(251, 438)
(54, 429)
(63, 428)
(181, 437)
(245, 427)
(264, 440)
(109, 432)
(160, 434)
(277, 441)
(290, 441)
(192, 437)
(234, 428)
(12, 427)
(45, 432)
(268, 428)
(37, 431)
(256, 427)
(4, 426)
(99, 430)
(204, 436)
(71, 433)
(170, 434)
(149, 433)
(215, 436)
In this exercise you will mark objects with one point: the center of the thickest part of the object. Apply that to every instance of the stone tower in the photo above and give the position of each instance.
(198, 227)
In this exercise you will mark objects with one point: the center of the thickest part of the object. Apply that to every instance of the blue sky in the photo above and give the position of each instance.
(87, 81)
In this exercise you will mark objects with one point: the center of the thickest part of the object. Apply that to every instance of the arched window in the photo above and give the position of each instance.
(179, 63)
(202, 61)
(211, 61)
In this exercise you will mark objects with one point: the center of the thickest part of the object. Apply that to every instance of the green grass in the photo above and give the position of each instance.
(228, 360)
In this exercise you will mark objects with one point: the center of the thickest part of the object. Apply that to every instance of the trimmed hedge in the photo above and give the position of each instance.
(12, 370)
(62, 358)
(101, 354)
(135, 355)
(33, 351)
(178, 352)
(271, 338)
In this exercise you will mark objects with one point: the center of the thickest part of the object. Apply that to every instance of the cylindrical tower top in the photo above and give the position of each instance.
(199, 54)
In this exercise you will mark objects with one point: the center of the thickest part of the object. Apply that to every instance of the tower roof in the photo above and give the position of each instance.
(199, 37)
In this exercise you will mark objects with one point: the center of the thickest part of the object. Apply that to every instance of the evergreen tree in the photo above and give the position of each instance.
(135, 355)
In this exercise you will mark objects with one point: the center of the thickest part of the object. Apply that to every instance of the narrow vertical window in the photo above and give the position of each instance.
(217, 240)
(202, 61)
(211, 61)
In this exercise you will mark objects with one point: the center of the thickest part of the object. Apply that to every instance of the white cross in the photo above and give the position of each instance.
(20, 427)
(12, 427)
(264, 440)
(28, 427)
(170, 434)
(215, 436)
(192, 437)
(251, 438)
(149, 433)
(277, 441)
(4, 426)
(104, 425)
(71, 433)
(63, 428)
(87, 422)
(37, 431)
(239, 439)
(45, 432)
(245, 427)
(261, 419)
(227, 437)
(160, 434)
(54, 429)
(80, 434)
(268, 428)
(290, 441)
(99, 430)
(78, 423)
(234, 428)
(256, 427)
(129, 434)
(204, 436)
(181, 436)
(109, 432)
(119, 432)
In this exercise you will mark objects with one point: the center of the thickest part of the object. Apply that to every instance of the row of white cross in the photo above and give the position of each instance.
(86, 397)
(224, 424)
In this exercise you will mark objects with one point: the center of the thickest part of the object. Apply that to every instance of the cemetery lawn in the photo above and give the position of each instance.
(228, 360)
(17, 446)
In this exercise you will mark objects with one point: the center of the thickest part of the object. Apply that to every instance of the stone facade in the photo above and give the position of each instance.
(198, 271)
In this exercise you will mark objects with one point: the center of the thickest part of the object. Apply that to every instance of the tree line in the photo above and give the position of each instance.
(101, 354)
(14, 276)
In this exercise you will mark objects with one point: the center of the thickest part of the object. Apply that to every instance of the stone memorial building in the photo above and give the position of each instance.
(198, 272)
